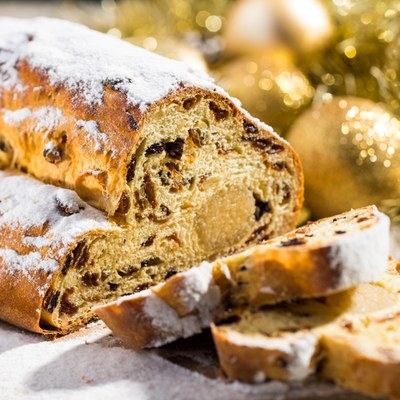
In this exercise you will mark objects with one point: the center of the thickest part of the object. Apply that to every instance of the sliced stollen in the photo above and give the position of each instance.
(321, 258)
(151, 141)
(350, 337)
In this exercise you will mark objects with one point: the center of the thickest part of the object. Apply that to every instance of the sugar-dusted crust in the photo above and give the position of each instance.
(350, 338)
(39, 227)
(308, 262)
(74, 104)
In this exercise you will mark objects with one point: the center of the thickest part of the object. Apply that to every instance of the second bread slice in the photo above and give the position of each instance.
(321, 258)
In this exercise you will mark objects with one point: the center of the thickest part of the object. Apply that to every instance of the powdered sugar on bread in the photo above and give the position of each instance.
(48, 218)
(102, 59)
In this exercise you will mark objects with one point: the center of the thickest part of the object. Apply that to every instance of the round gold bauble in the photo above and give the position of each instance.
(172, 47)
(350, 149)
(254, 25)
(269, 86)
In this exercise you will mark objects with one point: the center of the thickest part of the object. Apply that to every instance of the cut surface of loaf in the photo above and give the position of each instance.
(350, 338)
(168, 155)
(321, 258)
(60, 256)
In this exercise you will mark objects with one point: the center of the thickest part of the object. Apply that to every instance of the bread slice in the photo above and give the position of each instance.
(350, 338)
(169, 156)
(324, 257)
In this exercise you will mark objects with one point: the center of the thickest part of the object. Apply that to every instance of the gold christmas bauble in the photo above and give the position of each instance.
(254, 25)
(350, 149)
(352, 65)
(269, 86)
(172, 47)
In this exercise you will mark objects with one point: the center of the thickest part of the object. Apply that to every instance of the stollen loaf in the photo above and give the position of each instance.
(167, 155)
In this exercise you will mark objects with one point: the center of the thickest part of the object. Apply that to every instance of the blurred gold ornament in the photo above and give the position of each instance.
(350, 149)
(254, 25)
(166, 17)
(353, 64)
(268, 85)
(174, 48)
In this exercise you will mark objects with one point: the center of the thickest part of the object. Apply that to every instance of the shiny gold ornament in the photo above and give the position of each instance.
(350, 149)
(254, 25)
(353, 64)
(268, 85)
(174, 48)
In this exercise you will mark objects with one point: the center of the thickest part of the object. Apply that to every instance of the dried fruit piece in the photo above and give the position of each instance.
(155, 148)
(175, 149)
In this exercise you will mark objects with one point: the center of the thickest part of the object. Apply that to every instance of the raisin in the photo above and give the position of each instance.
(50, 301)
(90, 279)
(293, 242)
(80, 254)
(130, 174)
(67, 264)
(249, 127)
(30, 37)
(124, 204)
(362, 219)
(175, 149)
(24, 169)
(66, 306)
(218, 112)
(113, 286)
(261, 209)
(155, 148)
(232, 319)
(278, 165)
(149, 241)
(190, 103)
(150, 262)
(150, 190)
(264, 144)
(52, 153)
(130, 270)
(170, 273)
(141, 287)
(132, 122)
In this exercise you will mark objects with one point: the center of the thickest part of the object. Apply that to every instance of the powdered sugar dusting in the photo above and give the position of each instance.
(91, 128)
(47, 118)
(200, 297)
(299, 349)
(16, 117)
(85, 60)
(49, 219)
(93, 365)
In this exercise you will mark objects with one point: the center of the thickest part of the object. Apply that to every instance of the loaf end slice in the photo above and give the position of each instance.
(322, 258)
(350, 338)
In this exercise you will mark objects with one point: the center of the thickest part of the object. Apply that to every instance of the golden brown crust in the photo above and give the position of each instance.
(133, 315)
(99, 176)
